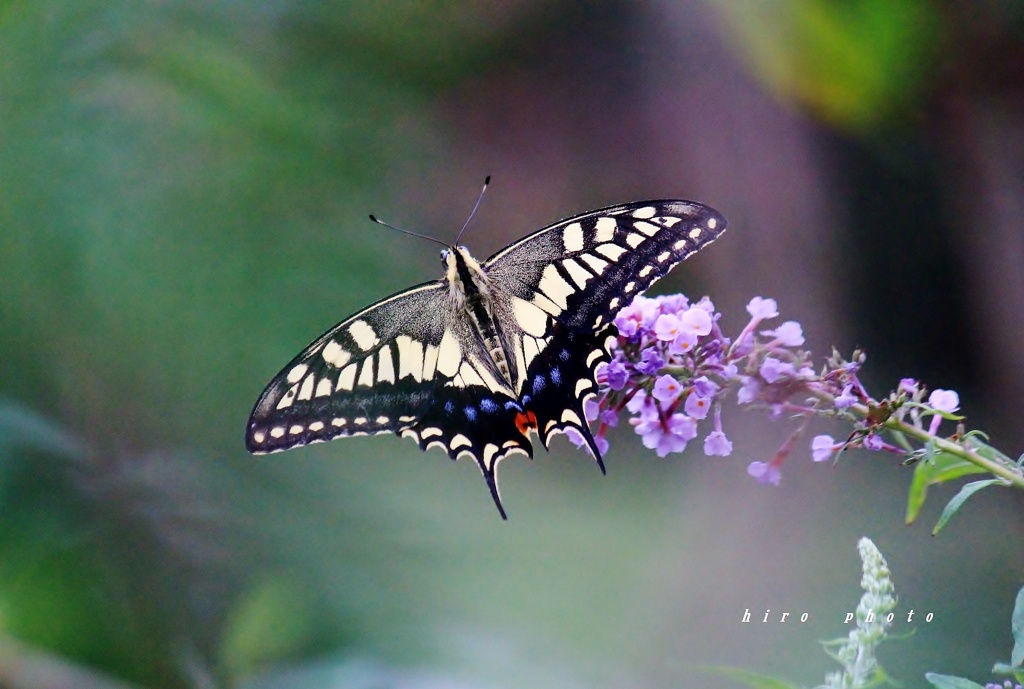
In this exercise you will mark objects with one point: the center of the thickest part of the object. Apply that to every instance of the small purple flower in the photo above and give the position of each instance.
(684, 343)
(674, 303)
(760, 308)
(729, 371)
(640, 403)
(706, 304)
(873, 442)
(772, 369)
(591, 409)
(602, 444)
(749, 390)
(716, 444)
(667, 389)
(667, 327)
(765, 473)
(822, 447)
(610, 417)
(789, 334)
(650, 362)
(697, 406)
(908, 385)
(705, 387)
(616, 374)
(696, 320)
(846, 398)
(944, 400)
(681, 429)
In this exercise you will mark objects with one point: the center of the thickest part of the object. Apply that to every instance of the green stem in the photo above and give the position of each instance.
(999, 469)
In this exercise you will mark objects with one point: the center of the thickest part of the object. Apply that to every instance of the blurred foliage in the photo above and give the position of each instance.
(855, 64)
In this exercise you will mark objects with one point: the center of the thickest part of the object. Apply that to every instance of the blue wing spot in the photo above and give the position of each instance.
(538, 384)
(556, 376)
(489, 405)
(564, 355)
(449, 407)
(470, 413)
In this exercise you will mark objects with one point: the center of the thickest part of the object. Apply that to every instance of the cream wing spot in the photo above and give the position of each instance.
(338, 422)
(596, 264)
(605, 227)
(611, 251)
(296, 374)
(347, 377)
(469, 374)
(366, 372)
(572, 238)
(578, 273)
(306, 391)
(593, 357)
(432, 432)
(335, 355)
(316, 426)
(277, 432)
(381, 420)
(289, 397)
(554, 286)
(695, 233)
(680, 245)
(712, 223)
(645, 212)
(569, 416)
(449, 354)
(386, 366)
(582, 385)
(647, 270)
(664, 256)
(635, 239)
(646, 227)
(614, 303)
(296, 429)
(259, 436)
(630, 286)
(410, 357)
(324, 387)
(460, 441)
(363, 334)
(430, 355)
(530, 317)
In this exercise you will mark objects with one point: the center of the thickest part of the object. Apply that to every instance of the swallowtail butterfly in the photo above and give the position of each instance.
(494, 350)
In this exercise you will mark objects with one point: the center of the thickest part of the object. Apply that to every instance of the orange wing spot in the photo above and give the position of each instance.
(526, 421)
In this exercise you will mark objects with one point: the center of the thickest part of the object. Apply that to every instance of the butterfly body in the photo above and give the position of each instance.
(476, 361)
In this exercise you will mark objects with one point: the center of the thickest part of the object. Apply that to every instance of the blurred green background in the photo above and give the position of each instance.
(183, 196)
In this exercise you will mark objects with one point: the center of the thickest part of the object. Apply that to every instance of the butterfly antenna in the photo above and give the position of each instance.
(408, 232)
(475, 206)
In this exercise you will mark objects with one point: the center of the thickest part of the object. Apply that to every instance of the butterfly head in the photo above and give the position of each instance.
(463, 273)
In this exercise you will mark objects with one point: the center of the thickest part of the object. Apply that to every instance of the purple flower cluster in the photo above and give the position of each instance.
(671, 366)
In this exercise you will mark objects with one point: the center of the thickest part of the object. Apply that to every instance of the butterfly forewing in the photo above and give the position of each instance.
(582, 270)
(518, 355)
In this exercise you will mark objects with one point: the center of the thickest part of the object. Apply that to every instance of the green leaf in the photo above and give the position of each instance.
(751, 679)
(936, 467)
(950, 682)
(960, 498)
(1017, 626)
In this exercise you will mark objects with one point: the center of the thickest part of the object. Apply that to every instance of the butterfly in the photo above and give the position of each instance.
(493, 351)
